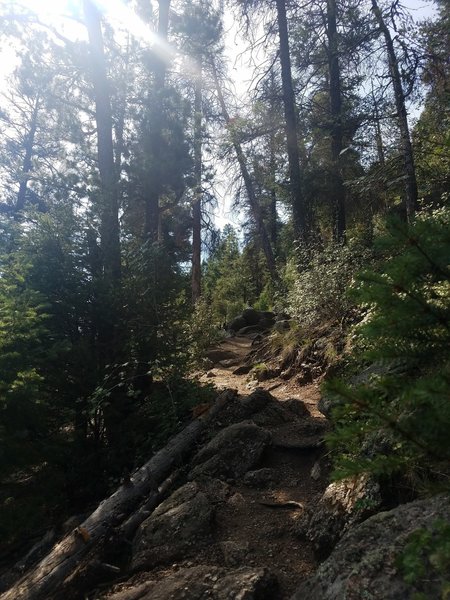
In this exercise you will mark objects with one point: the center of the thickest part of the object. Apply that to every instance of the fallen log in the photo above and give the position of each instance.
(49, 577)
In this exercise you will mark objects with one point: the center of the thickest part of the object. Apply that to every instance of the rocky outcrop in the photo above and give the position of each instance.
(261, 478)
(344, 504)
(204, 581)
(364, 564)
(169, 525)
(252, 321)
(232, 452)
(175, 528)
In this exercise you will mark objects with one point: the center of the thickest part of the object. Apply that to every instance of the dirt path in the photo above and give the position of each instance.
(258, 534)
(255, 516)
(232, 353)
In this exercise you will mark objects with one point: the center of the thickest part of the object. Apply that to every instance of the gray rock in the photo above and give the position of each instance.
(261, 477)
(281, 326)
(265, 410)
(298, 407)
(236, 324)
(234, 553)
(265, 323)
(251, 316)
(256, 401)
(202, 582)
(243, 370)
(220, 354)
(174, 529)
(363, 566)
(267, 314)
(216, 490)
(343, 504)
(316, 471)
(232, 452)
(326, 404)
(250, 329)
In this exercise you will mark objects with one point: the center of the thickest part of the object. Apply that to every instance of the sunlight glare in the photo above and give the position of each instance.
(129, 20)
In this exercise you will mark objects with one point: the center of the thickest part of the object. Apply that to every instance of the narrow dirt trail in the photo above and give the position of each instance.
(252, 532)
(255, 515)
(232, 353)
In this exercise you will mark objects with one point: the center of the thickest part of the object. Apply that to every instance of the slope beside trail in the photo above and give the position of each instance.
(235, 352)
(214, 513)
(268, 531)
(255, 526)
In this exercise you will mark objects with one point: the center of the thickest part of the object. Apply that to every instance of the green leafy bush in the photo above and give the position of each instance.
(318, 286)
(425, 561)
(202, 331)
(397, 419)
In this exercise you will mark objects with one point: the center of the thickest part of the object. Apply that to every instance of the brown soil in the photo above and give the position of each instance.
(236, 351)
(268, 531)
(259, 522)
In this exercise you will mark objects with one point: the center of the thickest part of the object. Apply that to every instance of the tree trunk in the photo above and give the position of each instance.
(27, 164)
(108, 323)
(61, 570)
(153, 181)
(411, 192)
(109, 211)
(197, 203)
(378, 135)
(273, 195)
(299, 208)
(48, 578)
(336, 124)
(255, 207)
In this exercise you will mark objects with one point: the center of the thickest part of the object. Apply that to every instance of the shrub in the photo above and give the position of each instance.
(406, 333)
(202, 331)
(317, 291)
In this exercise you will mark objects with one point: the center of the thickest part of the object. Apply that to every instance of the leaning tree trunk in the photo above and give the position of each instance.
(255, 206)
(299, 208)
(48, 578)
(411, 192)
(336, 124)
(63, 570)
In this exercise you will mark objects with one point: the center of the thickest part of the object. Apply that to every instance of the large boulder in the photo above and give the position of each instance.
(204, 581)
(343, 504)
(364, 565)
(265, 410)
(251, 316)
(175, 528)
(236, 324)
(232, 452)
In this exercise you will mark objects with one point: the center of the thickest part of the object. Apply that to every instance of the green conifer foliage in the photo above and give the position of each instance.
(22, 334)
(398, 418)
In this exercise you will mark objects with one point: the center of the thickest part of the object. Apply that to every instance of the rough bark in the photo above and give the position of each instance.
(378, 134)
(27, 164)
(197, 203)
(336, 123)
(57, 569)
(273, 195)
(254, 205)
(299, 208)
(153, 184)
(411, 193)
(109, 211)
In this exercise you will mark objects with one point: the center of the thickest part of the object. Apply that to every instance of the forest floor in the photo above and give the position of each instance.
(235, 352)
(255, 527)
(254, 519)
(267, 533)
